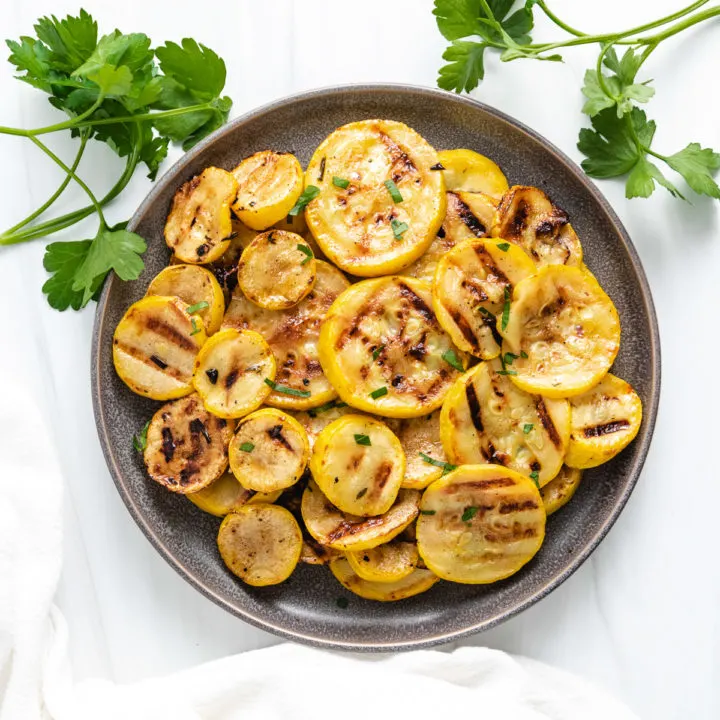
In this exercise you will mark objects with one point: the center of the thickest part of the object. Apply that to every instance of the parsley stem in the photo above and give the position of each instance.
(679, 27)
(73, 122)
(551, 15)
(601, 75)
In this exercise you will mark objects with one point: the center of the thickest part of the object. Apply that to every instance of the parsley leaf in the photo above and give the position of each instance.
(451, 358)
(139, 441)
(195, 67)
(469, 513)
(70, 41)
(466, 67)
(361, 439)
(642, 178)
(697, 164)
(63, 259)
(247, 447)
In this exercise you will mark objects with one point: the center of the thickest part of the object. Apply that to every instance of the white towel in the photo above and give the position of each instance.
(284, 682)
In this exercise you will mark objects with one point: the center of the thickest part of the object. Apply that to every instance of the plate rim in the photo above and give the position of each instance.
(650, 413)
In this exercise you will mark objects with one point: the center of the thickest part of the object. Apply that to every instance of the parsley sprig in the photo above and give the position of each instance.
(620, 140)
(119, 90)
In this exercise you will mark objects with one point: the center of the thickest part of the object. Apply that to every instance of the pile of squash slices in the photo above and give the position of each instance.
(392, 363)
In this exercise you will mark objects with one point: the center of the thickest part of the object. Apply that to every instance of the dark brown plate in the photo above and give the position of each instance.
(304, 608)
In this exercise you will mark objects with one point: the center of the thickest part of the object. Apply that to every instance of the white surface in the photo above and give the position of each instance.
(640, 618)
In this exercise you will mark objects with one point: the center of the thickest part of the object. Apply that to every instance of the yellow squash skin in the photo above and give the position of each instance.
(342, 531)
(192, 284)
(276, 453)
(353, 225)
(526, 216)
(186, 446)
(560, 489)
(502, 530)
(469, 292)
(293, 335)
(565, 330)
(413, 584)
(359, 464)
(486, 419)
(470, 171)
(230, 372)
(386, 563)
(226, 494)
(154, 347)
(261, 544)
(269, 184)
(393, 318)
(274, 272)
(605, 420)
(198, 227)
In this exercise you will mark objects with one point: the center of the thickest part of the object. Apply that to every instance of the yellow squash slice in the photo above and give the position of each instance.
(186, 446)
(386, 563)
(470, 171)
(526, 216)
(468, 215)
(342, 531)
(472, 283)
(195, 286)
(480, 524)
(277, 270)
(226, 494)
(198, 227)
(417, 582)
(293, 336)
(269, 451)
(154, 347)
(314, 421)
(605, 420)
(565, 330)
(359, 465)
(233, 372)
(313, 553)
(486, 419)
(269, 185)
(225, 267)
(379, 204)
(261, 544)
(560, 489)
(384, 351)
(424, 454)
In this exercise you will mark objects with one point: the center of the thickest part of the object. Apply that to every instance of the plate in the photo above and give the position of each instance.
(305, 607)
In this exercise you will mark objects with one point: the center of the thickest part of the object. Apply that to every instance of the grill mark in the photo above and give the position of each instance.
(188, 472)
(348, 529)
(518, 221)
(492, 324)
(143, 358)
(160, 327)
(474, 407)
(547, 422)
(464, 327)
(231, 378)
(477, 292)
(499, 457)
(160, 363)
(418, 303)
(506, 508)
(168, 444)
(475, 226)
(399, 158)
(198, 426)
(606, 429)
(322, 169)
(275, 433)
(488, 484)
(382, 475)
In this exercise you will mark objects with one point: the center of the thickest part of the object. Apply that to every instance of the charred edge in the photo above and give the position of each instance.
(170, 333)
(198, 426)
(606, 429)
(275, 433)
(231, 378)
(474, 407)
(348, 529)
(168, 444)
(472, 223)
(557, 219)
(547, 423)
(418, 303)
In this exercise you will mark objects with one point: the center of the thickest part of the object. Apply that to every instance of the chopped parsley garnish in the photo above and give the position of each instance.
(506, 308)
(484, 311)
(307, 251)
(197, 307)
(535, 477)
(427, 512)
(503, 246)
(446, 466)
(340, 182)
(195, 327)
(527, 427)
(377, 351)
(508, 358)
(523, 355)
(361, 439)
(308, 195)
(314, 412)
(392, 188)
(451, 358)
(375, 394)
(247, 447)
(398, 228)
(285, 390)
(469, 513)
(140, 440)
(342, 603)
(507, 372)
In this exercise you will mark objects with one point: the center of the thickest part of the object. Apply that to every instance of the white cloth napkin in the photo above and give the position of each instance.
(284, 682)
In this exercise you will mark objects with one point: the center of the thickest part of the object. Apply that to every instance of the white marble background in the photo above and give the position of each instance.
(641, 616)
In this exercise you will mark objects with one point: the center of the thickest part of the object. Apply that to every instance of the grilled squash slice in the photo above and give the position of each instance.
(313, 553)
(195, 286)
(269, 451)
(470, 171)
(261, 544)
(231, 372)
(293, 336)
(359, 465)
(471, 284)
(605, 420)
(480, 524)
(198, 227)
(384, 351)
(424, 453)
(226, 494)
(314, 421)
(379, 205)
(269, 185)
(565, 331)
(486, 419)
(386, 563)
(527, 217)
(468, 215)
(187, 447)
(154, 347)
(277, 270)
(342, 531)
(225, 267)
(413, 584)
(560, 489)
